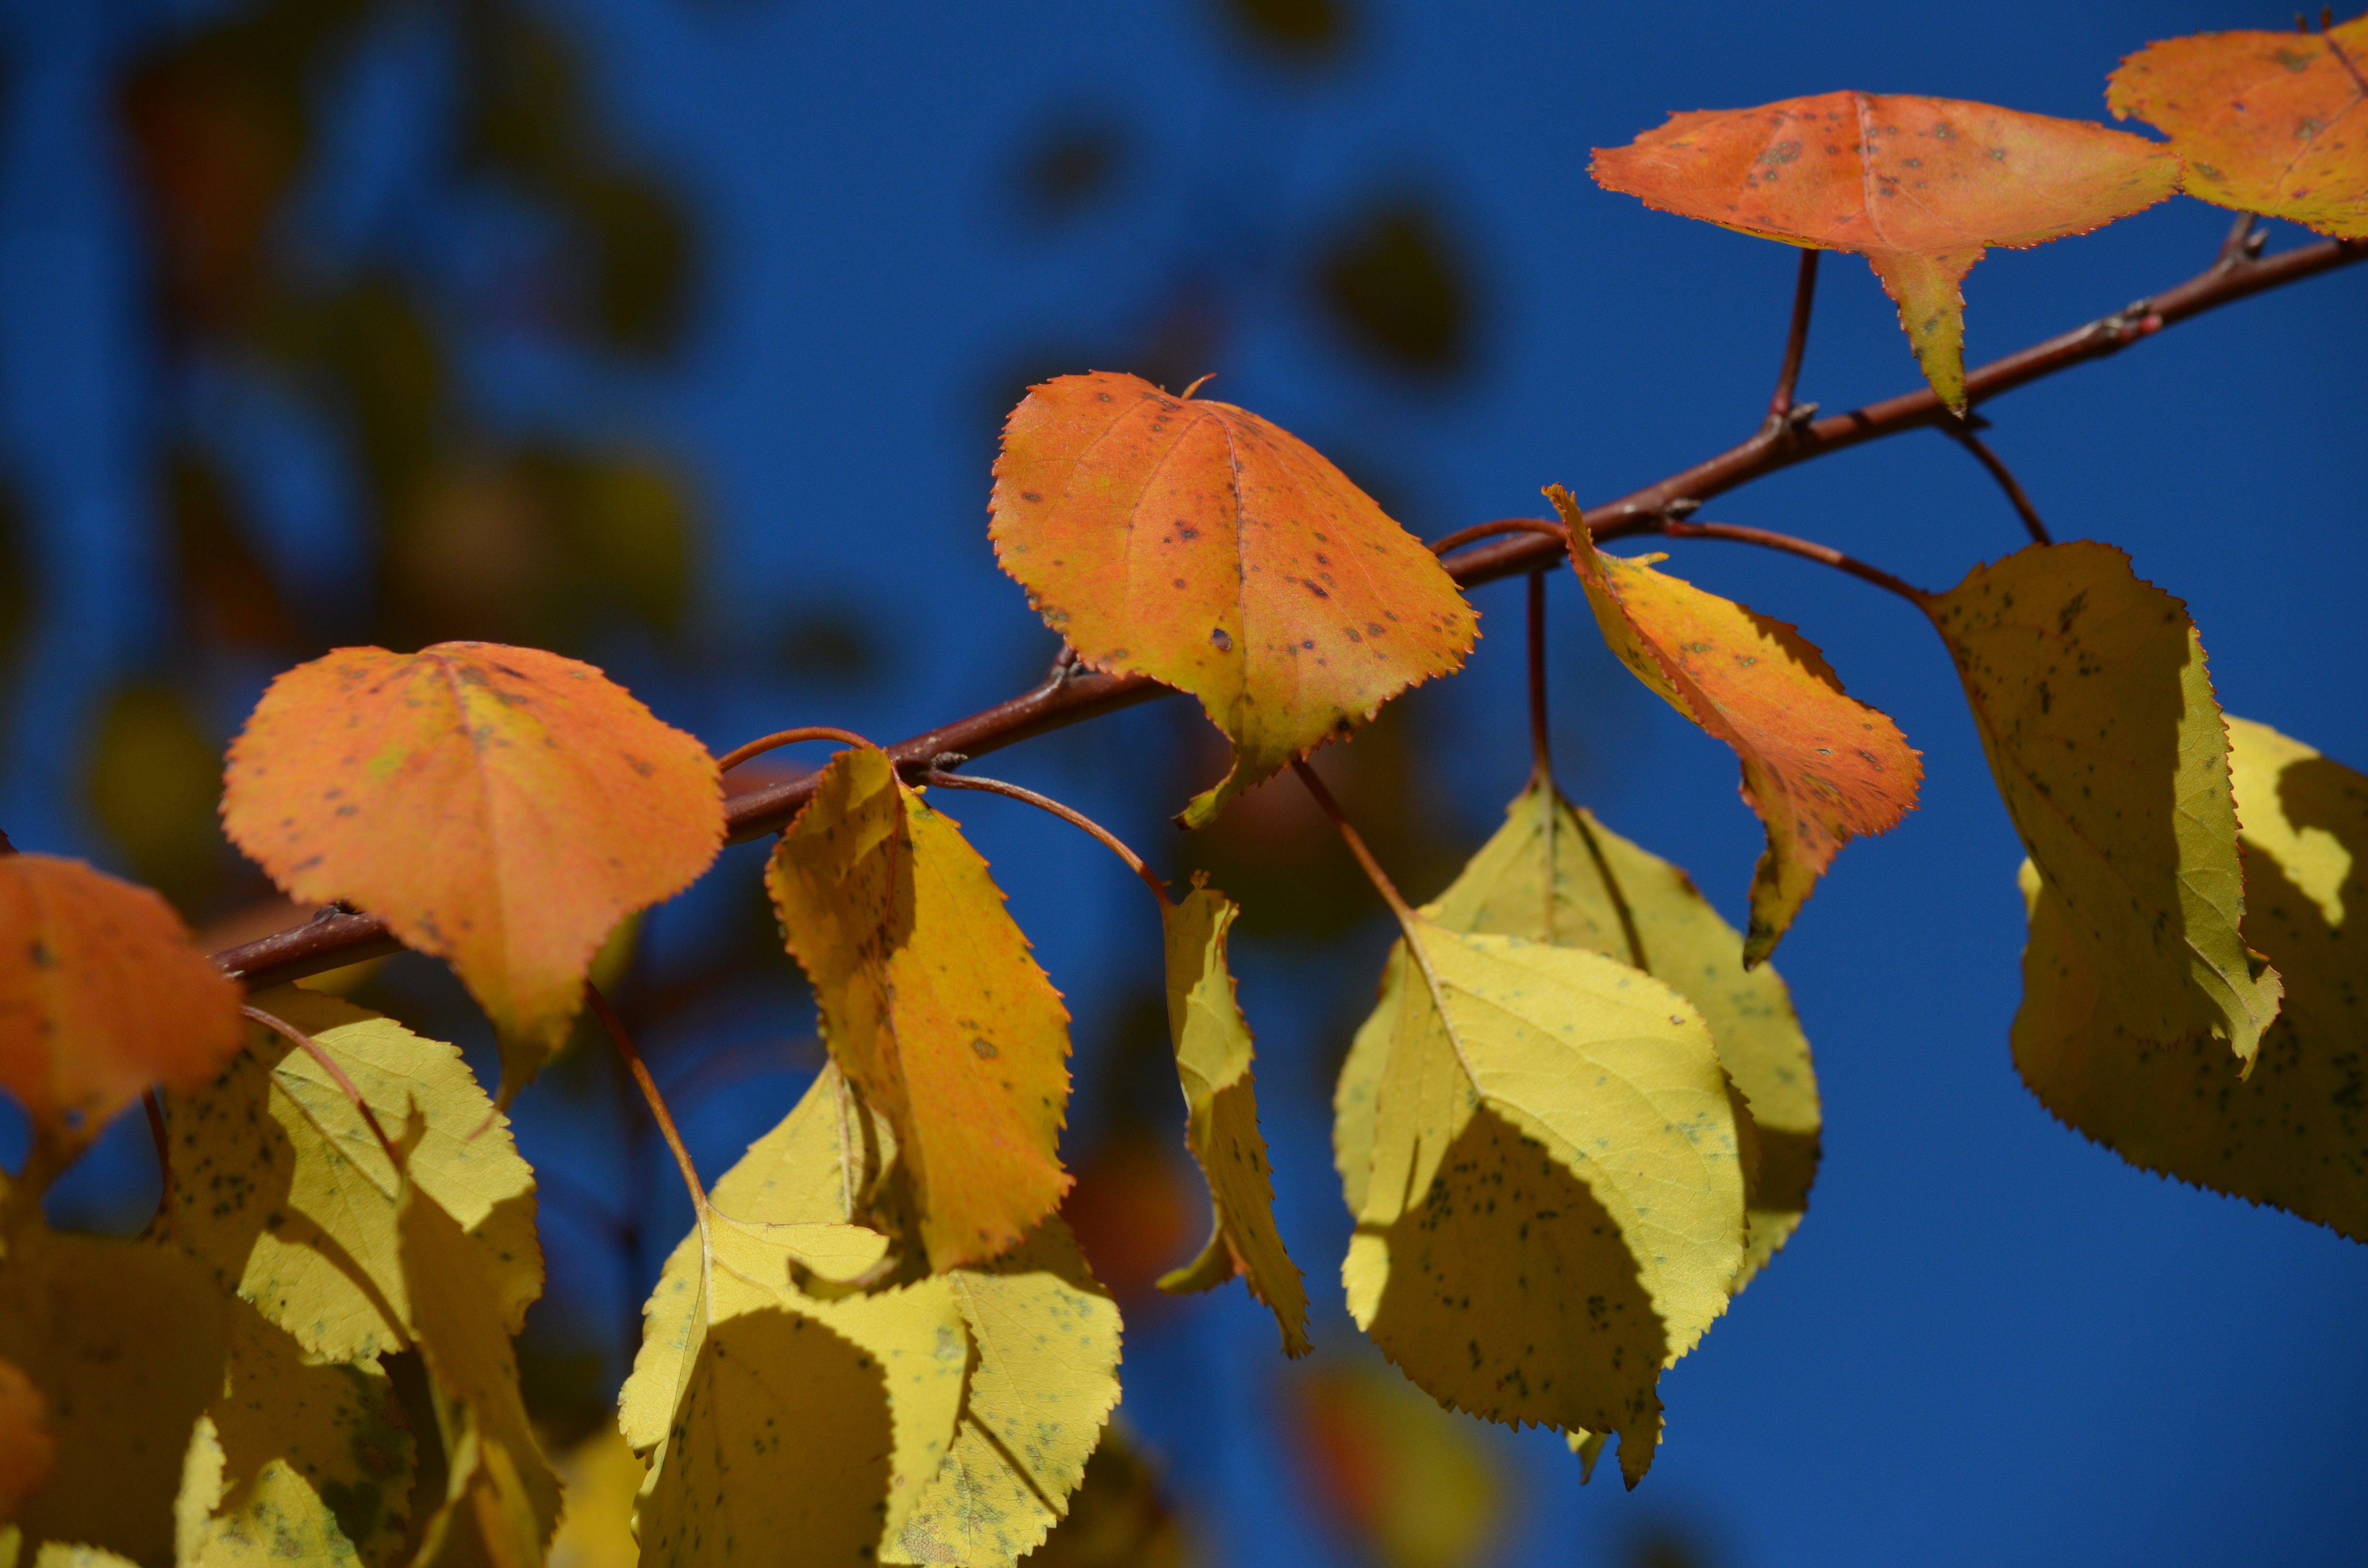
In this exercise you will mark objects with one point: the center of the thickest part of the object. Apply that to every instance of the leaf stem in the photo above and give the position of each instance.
(1540, 736)
(1348, 836)
(763, 744)
(1479, 531)
(1069, 814)
(312, 1048)
(1961, 432)
(1797, 342)
(656, 1102)
(158, 1135)
(1808, 550)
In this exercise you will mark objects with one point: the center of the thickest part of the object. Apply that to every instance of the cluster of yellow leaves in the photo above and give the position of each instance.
(215, 1392)
(800, 1380)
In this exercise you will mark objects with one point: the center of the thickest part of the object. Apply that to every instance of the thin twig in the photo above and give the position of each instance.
(1069, 814)
(1808, 550)
(758, 747)
(158, 1135)
(1796, 343)
(1963, 432)
(1479, 531)
(331, 944)
(312, 1048)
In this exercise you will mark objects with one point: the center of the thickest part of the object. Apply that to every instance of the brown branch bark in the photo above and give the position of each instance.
(334, 939)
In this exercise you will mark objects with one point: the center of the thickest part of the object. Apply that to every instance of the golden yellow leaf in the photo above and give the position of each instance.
(2089, 689)
(293, 1458)
(502, 1498)
(1212, 1060)
(601, 1477)
(2293, 1134)
(1610, 896)
(126, 1341)
(282, 1189)
(1553, 1206)
(929, 1002)
(28, 1444)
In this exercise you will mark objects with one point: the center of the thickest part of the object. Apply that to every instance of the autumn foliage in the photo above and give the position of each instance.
(1581, 1118)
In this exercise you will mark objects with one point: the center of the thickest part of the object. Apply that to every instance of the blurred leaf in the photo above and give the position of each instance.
(448, 790)
(368, 350)
(232, 598)
(624, 528)
(828, 644)
(154, 782)
(1118, 1517)
(19, 586)
(28, 1440)
(601, 1476)
(1131, 1207)
(281, 1189)
(1301, 31)
(1393, 281)
(1419, 1486)
(101, 994)
(1070, 166)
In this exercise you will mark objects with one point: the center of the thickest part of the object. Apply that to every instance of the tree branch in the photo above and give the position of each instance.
(334, 939)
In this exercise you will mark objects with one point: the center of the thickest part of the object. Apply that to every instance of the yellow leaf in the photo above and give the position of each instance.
(1043, 1379)
(1553, 1206)
(126, 1341)
(601, 1476)
(502, 1499)
(282, 1189)
(2292, 1134)
(1608, 895)
(1820, 768)
(293, 1458)
(1117, 1518)
(29, 1443)
(1212, 1060)
(2089, 689)
(929, 1002)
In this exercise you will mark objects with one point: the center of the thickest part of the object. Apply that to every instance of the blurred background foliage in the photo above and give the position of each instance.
(674, 334)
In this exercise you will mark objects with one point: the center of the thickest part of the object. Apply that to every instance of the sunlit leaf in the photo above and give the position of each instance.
(503, 808)
(282, 1189)
(293, 1458)
(1919, 187)
(2268, 122)
(2089, 689)
(1213, 1058)
(28, 1442)
(601, 1476)
(126, 1342)
(101, 994)
(1555, 874)
(1820, 768)
(1194, 543)
(929, 1002)
(501, 1501)
(1554, 1203)
(2295, 1133)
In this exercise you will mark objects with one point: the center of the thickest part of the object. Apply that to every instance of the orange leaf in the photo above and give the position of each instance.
(1196, 543)
(929, 1002)
(503, 808)
(101, 994)
(29, 1443)
(1919, 187)
(1820, 768)
(2274, 123)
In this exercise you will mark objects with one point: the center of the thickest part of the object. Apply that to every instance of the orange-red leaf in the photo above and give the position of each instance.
(929, 1003)
(1196, 543)
(1919, 187)
(1820, 768)
(2274, 123)
(503, 808)
(102, 994)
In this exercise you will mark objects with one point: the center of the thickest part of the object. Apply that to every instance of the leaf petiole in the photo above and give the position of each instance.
(1069, 814)
(312, 1048)
(763, 744)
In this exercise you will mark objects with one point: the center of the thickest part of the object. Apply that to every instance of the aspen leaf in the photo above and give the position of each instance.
(503, 808)
(502, 1498)
(2294, 1133)
(1819, 768)
(2268, 122)
(126, 1341)
(28, 1444)
(293, 1458)
(1919, 187)
(101, 994)
(1553, 1201)
(1196, 543)
(1555, 874)
(929, 1002)
(1212, 1060)
(283, 1190)
(2089, 690)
